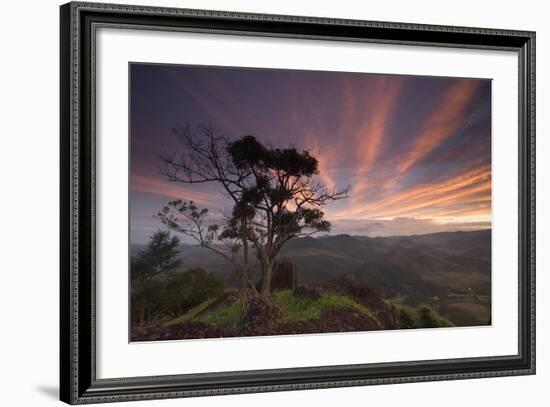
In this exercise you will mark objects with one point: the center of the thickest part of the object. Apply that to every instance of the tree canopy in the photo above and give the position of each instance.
(274, 193)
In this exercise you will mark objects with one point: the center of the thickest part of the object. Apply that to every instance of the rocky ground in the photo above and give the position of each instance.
(363, 310)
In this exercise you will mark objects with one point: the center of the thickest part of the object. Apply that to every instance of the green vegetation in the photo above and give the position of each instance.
(293, 308)
(175, 295)
(186, 290)
(192, 313)
(159, 291)
(273, 190)
(299, 307)
(404, 319)
(422, 316)
(159, 257)
(229, 316)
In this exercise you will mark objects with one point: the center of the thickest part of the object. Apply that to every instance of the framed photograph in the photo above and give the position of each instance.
(255, 203)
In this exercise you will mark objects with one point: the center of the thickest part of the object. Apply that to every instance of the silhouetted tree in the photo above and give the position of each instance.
(187, 218)
(274, 193)
(159, 256)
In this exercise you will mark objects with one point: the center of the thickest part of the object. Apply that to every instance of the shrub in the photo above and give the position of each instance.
(428, 318)
(173, 295)
(405, 320)
(183, 291)
(146, 303)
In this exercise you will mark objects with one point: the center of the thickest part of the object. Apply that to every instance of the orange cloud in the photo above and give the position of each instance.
(481, 209)
(466, 194)
(380, 107)
(376, 110)
(325, 158)
(467, 189)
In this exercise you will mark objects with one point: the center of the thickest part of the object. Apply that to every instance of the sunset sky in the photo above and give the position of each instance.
(415, 150)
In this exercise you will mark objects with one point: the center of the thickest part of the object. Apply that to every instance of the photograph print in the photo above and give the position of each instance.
(285, 202)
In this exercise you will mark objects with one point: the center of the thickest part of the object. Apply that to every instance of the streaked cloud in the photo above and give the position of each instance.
(401, 226)
(446, 120)
(415, 150)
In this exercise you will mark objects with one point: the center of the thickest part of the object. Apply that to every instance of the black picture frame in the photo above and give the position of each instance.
(78, 382)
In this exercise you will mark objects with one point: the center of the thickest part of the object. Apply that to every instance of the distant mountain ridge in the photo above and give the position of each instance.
(448, 270)
(432, 264)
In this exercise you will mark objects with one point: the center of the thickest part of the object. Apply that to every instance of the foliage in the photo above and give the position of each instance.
(273, 191)
(422, 316)
(146, 302)
(160, 256)
(183, 291)
(192, 312)
(230, 316)
(404, 319)
(428, 318)
(187, 218)
(171, 297)
(300, 307)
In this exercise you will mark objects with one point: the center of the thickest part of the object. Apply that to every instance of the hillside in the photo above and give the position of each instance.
(449, 271)
(342, 304)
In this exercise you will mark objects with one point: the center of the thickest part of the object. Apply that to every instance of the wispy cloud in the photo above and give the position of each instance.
(326, 159)
(445, 120)
(165, 189)
(401, 226)
(415, 150)
(377, 112)
(375, 109)
(465, 188)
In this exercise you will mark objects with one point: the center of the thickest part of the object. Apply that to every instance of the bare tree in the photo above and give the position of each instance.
(274, 192)
(187, 218)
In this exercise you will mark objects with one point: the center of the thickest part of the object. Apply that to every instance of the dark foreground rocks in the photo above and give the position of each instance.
(185, 330)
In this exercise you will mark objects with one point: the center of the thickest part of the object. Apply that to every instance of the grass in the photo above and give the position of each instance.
(192, 313)
(293, 308)
(300, 308)
(229, 316)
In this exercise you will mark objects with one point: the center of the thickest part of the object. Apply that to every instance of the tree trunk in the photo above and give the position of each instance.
(267, 272)
(142, 316)
(245, 276)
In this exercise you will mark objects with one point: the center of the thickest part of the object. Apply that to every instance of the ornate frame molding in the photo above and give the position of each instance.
(79, 384)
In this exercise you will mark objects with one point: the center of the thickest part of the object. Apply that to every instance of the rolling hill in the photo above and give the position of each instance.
(449, 270)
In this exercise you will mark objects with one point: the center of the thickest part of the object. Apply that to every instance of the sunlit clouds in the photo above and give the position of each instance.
(473, 186)
(415, 150)
(449, 116)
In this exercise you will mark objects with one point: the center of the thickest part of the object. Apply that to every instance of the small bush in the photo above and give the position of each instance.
(423, 316)
(428, 318)
(169, 297)
(186, 290)
(404, 319)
